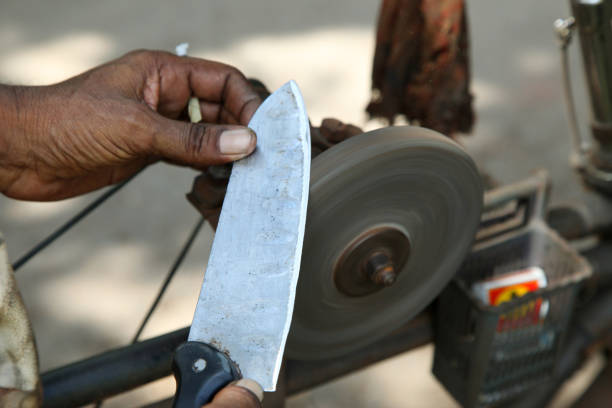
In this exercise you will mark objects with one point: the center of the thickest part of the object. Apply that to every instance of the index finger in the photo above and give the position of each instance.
(223, 84)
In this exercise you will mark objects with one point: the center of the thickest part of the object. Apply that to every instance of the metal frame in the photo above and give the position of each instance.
(126, 368)
(129, 367)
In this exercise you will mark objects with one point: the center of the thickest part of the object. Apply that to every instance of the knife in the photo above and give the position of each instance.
(245, 305)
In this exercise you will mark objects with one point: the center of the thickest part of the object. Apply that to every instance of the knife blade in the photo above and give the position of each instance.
(244, 310)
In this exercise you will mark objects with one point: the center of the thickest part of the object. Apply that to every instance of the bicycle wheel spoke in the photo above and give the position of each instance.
(177, 263)
(69, 224)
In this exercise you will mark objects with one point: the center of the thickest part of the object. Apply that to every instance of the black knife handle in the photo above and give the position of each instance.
(200, 370)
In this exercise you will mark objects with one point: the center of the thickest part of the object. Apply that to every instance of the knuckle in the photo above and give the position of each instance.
(233, 74)
(227, 68)
(138, 54)
(233, 71)
(237, 75)
(138, 121)
(200, 138)
(144, 56)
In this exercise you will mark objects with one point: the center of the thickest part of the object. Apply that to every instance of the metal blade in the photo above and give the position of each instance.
(246, 301)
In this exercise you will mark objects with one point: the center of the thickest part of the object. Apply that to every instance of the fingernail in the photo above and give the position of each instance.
(251, 386)
(236, 141)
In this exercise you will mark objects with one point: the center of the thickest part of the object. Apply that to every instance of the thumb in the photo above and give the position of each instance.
(202, 144)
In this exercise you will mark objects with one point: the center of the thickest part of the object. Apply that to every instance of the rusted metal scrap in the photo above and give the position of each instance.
(421, 65)
(207, 194)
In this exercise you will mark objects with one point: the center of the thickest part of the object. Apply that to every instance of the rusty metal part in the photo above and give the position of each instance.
(380, 269)
(409, 179)
(335, 131)
(421, 65)
(331, 132)
(207, 193)
(372, 261)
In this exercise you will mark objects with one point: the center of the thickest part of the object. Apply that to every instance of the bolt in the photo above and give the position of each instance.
(199, 365)
(380, 269)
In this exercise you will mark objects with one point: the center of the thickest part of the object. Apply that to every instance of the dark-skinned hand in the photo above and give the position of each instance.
(106, 124)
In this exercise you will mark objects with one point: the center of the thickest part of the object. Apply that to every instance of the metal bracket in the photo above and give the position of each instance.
(514, 206)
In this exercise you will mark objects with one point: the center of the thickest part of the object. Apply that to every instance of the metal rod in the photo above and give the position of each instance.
(564, 29)
(593, 26)
(69, 224)
(126, 368)
(112, 372)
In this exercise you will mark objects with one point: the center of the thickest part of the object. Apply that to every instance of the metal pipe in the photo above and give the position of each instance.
(111, 373)
(126, 368)
(593, 19)
(564, 29)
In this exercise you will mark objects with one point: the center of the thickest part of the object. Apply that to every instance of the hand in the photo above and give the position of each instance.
(104, 125)
(243, 394)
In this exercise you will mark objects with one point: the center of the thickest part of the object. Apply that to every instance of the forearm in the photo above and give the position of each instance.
(9, 117)
(21, 117)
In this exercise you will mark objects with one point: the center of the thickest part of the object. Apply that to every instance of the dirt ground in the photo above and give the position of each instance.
(87, 292)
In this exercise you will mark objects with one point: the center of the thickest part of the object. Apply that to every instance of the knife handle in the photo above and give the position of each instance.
(200, 371)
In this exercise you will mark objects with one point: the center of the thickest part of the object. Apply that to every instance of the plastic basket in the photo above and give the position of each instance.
(487, 354)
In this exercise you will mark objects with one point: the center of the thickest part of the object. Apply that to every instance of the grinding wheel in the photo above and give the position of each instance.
(391, 215)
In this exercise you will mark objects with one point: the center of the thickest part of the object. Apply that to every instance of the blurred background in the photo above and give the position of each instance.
(88, 292)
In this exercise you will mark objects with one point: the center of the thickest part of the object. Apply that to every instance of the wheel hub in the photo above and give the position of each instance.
(372, 261)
